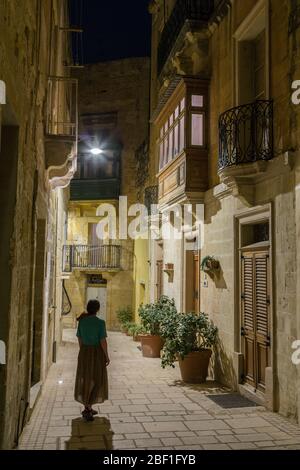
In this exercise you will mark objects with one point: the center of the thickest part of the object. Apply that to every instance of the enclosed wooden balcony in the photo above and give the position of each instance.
(182, 144)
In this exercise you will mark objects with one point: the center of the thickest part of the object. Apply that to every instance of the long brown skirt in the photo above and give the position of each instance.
(91, 385)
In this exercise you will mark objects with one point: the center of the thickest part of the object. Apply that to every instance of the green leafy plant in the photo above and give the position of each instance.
(124, 315)
(131, 327)
(184, 334)
(137, 330)
(125, 326)
(209, 263)
(152, 315)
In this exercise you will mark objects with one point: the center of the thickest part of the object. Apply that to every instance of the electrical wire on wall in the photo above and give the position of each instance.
(76, 14)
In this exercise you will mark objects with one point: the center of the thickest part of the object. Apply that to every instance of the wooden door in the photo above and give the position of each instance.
(98, 293)
(255, 287)
(94, 252)
(159, 279)
(196, 283)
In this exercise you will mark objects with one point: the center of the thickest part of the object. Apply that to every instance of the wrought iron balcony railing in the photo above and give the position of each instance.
(246, 134)
(66, 305)
(62, 107)
(91, 257)
(192, 10)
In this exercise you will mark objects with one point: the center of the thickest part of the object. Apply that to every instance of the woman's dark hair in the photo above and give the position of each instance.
(93, 307)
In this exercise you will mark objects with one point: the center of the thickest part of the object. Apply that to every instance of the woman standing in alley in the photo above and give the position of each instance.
(91, 384)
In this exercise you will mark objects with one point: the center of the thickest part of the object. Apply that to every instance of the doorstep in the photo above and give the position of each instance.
(248, 392)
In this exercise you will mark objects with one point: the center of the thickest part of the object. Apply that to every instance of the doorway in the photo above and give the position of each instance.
(36, 365)
(255, 331)
(192, 282)
(159, 279)
(98, 292)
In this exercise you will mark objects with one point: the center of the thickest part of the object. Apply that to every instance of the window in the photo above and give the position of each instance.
(172, 135)
(197, 129)
(197, 101)
(182, 123)
(197, 120)
(252, 39)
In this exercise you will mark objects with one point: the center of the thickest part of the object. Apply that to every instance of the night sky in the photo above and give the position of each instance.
(113, 29)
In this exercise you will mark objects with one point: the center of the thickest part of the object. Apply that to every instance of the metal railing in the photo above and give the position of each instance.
(62, 107)
(246, 134)
(66, 307)
(193, 10)
(91, 257)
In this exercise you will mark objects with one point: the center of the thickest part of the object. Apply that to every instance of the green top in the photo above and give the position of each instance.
(91, 330)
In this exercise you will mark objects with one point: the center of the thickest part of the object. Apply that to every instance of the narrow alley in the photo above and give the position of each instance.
(149, 189)
(149, 408)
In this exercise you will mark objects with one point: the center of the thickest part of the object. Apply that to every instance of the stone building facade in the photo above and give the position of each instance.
(114, 115)
(224, 70)
(38, 157)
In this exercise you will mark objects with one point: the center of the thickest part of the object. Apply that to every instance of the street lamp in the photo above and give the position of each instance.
(96, 151)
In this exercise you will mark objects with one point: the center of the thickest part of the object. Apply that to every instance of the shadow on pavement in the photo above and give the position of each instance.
(208, 387)
(96, 435)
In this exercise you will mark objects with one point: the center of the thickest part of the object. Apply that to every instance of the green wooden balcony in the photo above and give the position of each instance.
(94, 189)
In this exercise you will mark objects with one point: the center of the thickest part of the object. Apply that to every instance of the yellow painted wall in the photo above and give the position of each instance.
(120, 284)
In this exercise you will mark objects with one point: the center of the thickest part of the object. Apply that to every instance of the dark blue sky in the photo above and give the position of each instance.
(114, 29)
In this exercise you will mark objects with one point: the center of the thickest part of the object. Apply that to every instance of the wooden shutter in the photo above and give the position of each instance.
(248, 330)
(262, 314)
(196, 283)
(159, 279)
(256, 316)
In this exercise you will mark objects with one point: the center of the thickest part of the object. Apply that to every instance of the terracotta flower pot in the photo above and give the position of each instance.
(137, 338)
(194, 367)
(151, 345)
(211, 265)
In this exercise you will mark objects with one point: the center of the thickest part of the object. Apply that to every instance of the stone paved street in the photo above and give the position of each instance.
(149, 408)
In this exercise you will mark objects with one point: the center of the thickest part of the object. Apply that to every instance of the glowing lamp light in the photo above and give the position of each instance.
(96, 151)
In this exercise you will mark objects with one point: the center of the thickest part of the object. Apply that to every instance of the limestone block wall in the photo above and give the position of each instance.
(120, 86)
(278, 187)
(173, 253)
(25, 46)
(218, 298)
(120, 285)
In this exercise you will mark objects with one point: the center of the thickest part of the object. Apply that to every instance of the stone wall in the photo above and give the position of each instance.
(120, 87)
(25, 46)
(276, 187)
(119, 283)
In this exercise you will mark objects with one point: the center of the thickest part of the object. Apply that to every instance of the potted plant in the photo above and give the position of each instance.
(151, 316)
(124, 316)
(210, 264)
(189, 338)
(137, 331)
(130, 328)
